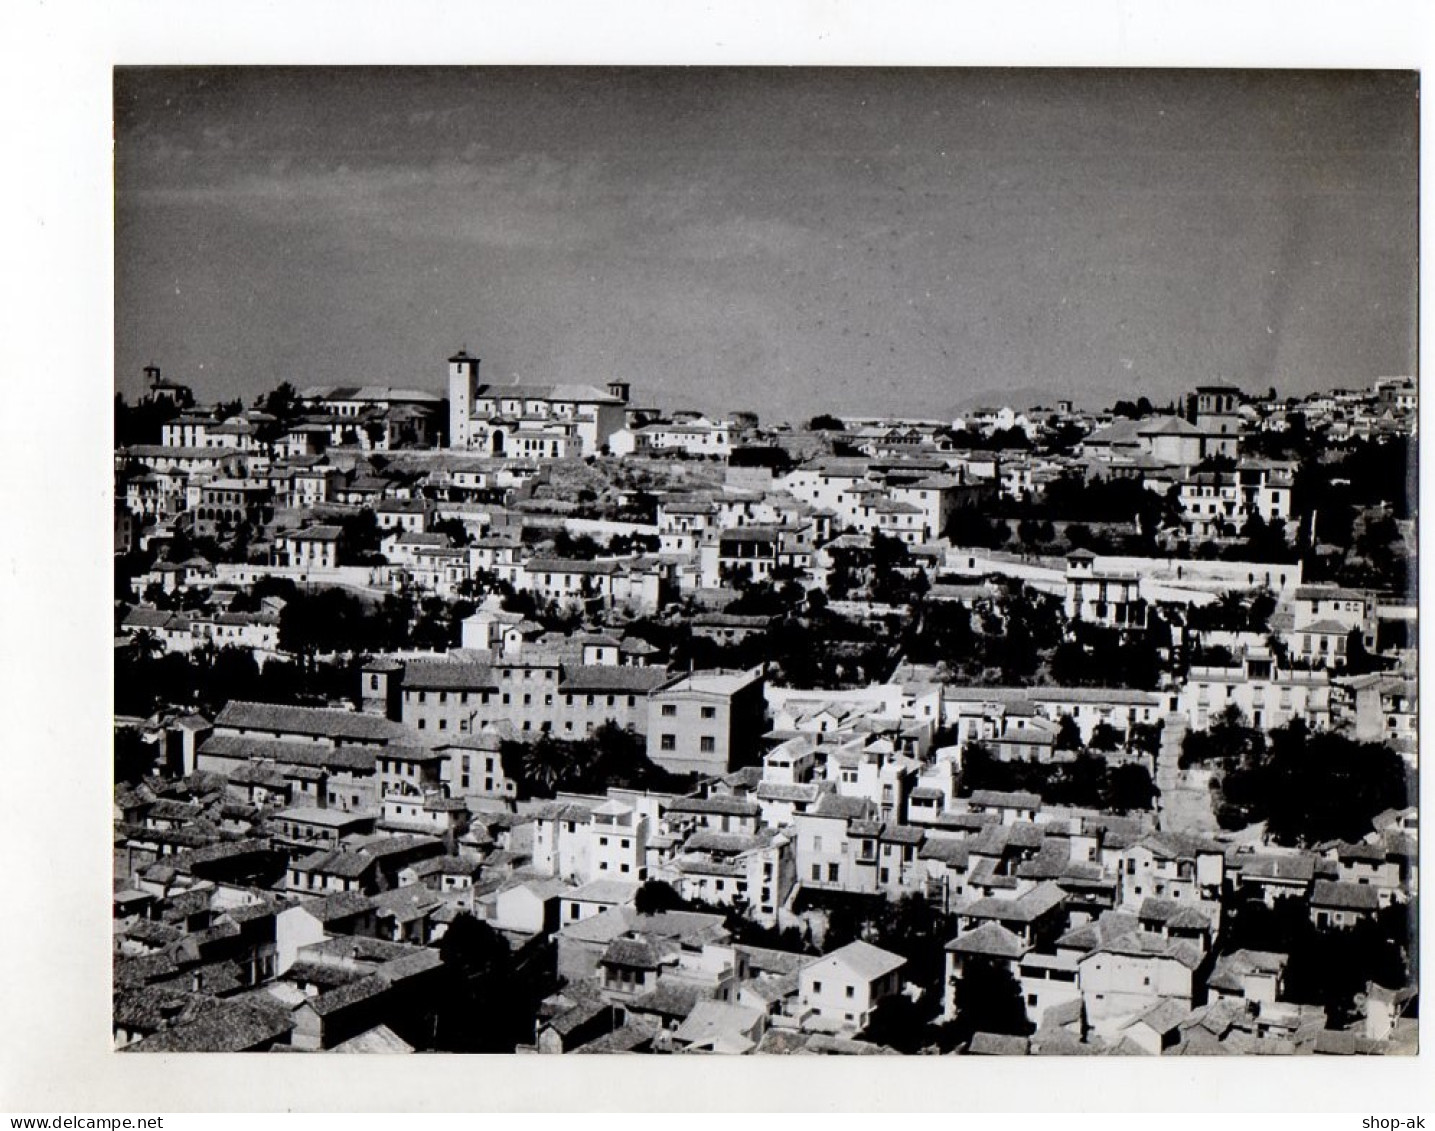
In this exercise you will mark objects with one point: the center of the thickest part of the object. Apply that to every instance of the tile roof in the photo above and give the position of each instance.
(229, 1027)
(379, 1039)
(721, 806)
(1344, 896)
(287, 755)
(610, 678)
(1005, 799)
(324, 722)
(604, 891)
(997, 1044)
(639, 952)
(868, 961)
(340, 905)
(435, 675)
(990, 939)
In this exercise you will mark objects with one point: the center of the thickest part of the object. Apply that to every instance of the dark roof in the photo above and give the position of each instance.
(609, 678)
(639, 952)
(728, 806)
(325, 722)
(1343, 896)
(989, 939)
(448, 675)
(997, 1044)
(284, 754)
(229, 1027)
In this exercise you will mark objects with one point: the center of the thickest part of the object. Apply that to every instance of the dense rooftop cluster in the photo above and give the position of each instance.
(532, 718)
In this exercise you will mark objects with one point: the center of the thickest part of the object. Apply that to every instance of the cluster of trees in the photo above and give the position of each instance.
(884, 572)
(656, 896)
(1071, 497)
(149, 680)
(493, 991)
(1234, 612)
(972, 527)
(1097, 656)
(134, 757)
(1088, 781)
(141, 423)
(1327, 967)
(332, 620)
(611, 756)
(1306, 786)
(1005, 640)
(989, 998)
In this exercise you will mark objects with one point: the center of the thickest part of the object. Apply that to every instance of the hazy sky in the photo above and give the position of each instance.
(784, 240)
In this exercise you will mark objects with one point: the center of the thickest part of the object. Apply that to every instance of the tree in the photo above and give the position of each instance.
(899, 1023)
(1068, 734)
(281, 402)
(656, 896)
(492, 1003)
(1129, 788)
(1105, 737)
(826, 422)
(134, 757)
(988, 1001)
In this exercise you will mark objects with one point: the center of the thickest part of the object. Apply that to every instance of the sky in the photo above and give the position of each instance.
(785, 240)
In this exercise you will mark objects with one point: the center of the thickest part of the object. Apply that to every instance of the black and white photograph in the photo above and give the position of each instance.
(765, 561)
(696, 559)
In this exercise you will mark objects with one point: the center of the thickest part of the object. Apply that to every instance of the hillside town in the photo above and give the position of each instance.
(534, 718)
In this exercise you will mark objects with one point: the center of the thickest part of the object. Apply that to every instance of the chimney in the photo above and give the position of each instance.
(196, 981)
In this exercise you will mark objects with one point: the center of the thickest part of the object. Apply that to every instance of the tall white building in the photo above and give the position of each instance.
(522, 420)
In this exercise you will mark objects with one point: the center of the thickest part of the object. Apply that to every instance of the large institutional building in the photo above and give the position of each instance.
(549, 421)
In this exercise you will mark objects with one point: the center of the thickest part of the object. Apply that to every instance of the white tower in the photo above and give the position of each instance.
(462, 388)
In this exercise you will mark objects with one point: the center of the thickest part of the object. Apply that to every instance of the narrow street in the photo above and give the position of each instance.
(1185, 804)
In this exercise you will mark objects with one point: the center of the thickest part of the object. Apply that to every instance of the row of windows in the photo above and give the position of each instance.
(707, 744)
(670, 711)
(484, 697)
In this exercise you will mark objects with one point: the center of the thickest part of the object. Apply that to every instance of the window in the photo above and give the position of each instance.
(443, 696)
(817, 877)
(851, 991)
(670, 710)
(834, 873)
(707, 744)
(668, 742)
(709, 712)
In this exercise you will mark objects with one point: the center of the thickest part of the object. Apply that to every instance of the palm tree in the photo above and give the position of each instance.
(146, 644)
(546, 763)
